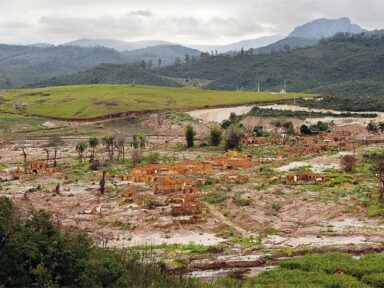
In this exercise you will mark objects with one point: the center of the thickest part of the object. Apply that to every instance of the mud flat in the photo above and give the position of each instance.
(154, 239)
(218, 114)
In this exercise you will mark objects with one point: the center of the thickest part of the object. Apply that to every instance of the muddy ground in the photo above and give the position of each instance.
(248, 226)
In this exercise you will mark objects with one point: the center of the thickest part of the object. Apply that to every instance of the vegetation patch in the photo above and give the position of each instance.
(113, 99)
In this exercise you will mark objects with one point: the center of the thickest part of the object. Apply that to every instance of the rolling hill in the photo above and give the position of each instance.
(167, 54)
(23, 65)
(91, 101)
(116, 44)
(109, 74)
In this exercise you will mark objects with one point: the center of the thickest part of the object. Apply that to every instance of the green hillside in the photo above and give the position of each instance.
(328, 67)
(90, 101)
(23, 65)
(109, 74)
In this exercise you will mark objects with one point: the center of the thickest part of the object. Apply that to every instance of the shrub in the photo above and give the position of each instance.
(276, 207)
(137, 156)
(215, 136)
(190, 136)
(153, 157)
(240, 201)
(233, 137)
(35, 253)
(258, 131)
(216, 197)
(349, 162)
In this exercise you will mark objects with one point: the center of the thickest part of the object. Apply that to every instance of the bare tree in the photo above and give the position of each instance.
(55, 142)
(120, 146)
(55, 149)
(109, 144)
(47, 155)
(24, 153)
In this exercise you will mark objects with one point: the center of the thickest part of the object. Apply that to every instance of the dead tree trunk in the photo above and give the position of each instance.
(57, 189)
(54, 157)
(102, 183)
(24, 153)
(47, 153)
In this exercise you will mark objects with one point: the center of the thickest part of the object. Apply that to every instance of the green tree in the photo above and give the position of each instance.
(225, 124)
(258, 131)
(381, 127)
(190, 136)
(321, 126)
(304, 130)
(372, 127)
(233, 118)
(81, 148)
(93, 142)
(215, 136)
(288, 127)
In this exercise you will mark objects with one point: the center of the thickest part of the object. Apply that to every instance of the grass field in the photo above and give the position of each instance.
(91, 101)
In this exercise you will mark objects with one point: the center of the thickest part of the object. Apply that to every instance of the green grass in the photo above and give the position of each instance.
(328, 270)
(90, 101)
(10, 123)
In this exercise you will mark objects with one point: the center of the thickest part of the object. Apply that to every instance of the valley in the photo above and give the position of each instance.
(209, 145)
(233, 212)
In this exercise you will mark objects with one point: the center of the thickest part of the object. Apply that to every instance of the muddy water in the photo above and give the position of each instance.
(220, 114)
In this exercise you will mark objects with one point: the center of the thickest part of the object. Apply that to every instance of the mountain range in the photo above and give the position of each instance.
(40, 63)
(116, 44)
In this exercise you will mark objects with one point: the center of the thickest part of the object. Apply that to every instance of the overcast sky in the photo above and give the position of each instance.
(178, 21)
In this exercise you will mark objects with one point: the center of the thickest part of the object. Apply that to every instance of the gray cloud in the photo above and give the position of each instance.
(198, 21)
(144, 13)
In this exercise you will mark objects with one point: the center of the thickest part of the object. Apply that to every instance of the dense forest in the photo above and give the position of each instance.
(109, 74)
(25, 65)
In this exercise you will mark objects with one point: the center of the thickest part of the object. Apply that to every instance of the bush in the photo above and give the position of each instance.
(35, 253)
(375, 280)
(349, 163)
(190, 136)
(240, 201)
(215, 136)
(258, 131)
(216, 197)
(153, 157)
(276, 207)
(137, 156)
(233, 137)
